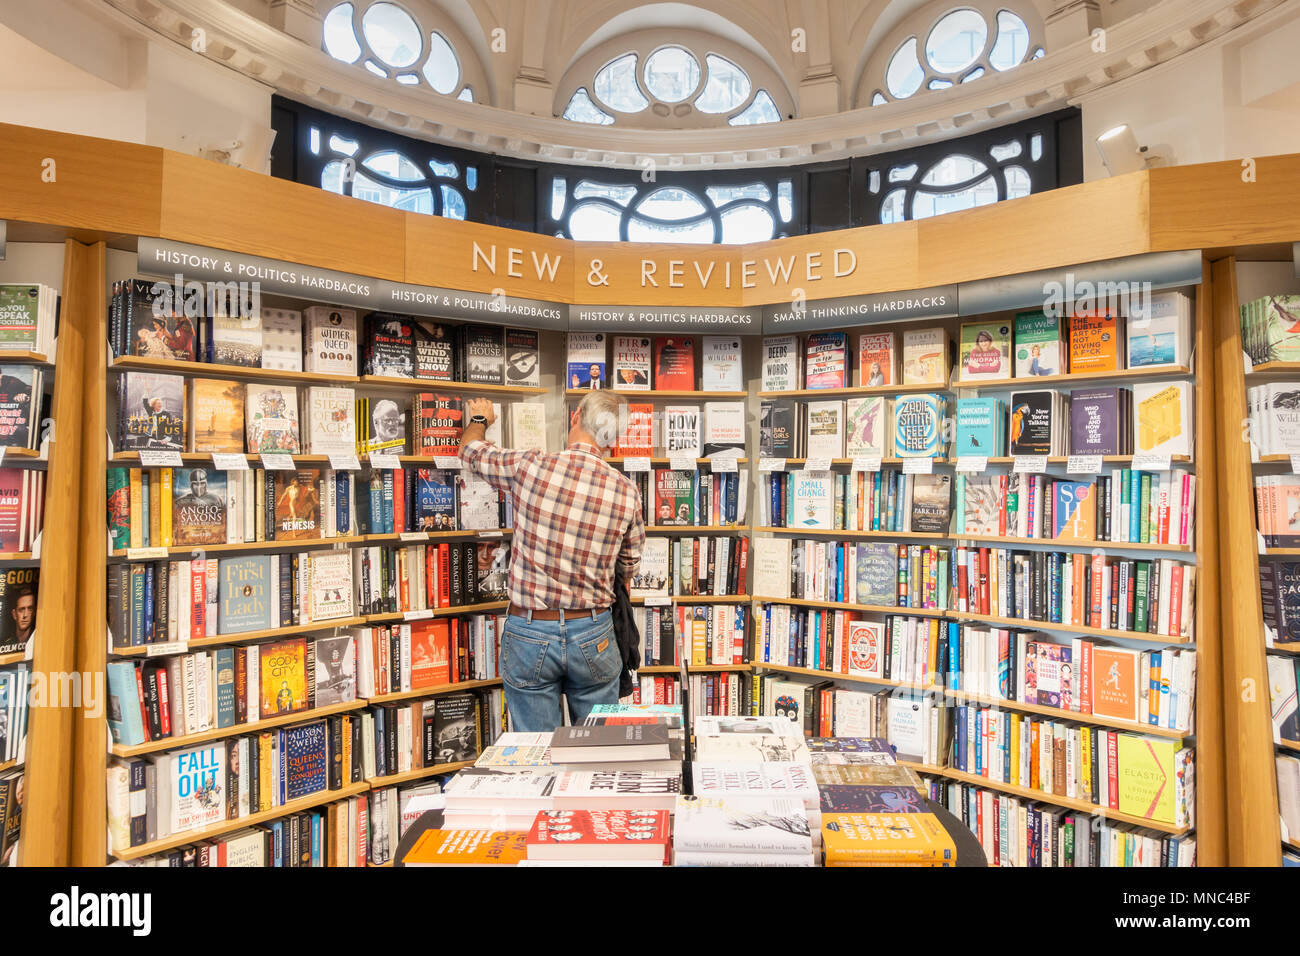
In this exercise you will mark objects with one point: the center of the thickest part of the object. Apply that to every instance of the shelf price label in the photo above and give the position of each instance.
(145, 554)
(1149, 462)
(384, 461)
(970, 464)
(171, 647)
(490, 533)
(918, 466)
(681, 463)
(160, 459)
(414, 536)
(771, 464)
(229, 461)
(1295, 464)
(277, 462)
(446, 462)
(636, 464)
(658, 600)
(345, 463)
(725, 466)
(1030, 464)
(817, 464)
(1083, 465)
(417, 615)
(866, 463)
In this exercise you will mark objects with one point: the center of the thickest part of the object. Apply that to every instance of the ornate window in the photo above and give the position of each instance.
(387, 40)
(681, 79)
(940, 47)
(594, 205)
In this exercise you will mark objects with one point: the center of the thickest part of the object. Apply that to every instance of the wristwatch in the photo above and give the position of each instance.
(479, 420)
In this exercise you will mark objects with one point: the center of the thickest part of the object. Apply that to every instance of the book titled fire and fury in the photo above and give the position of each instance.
(632, 363)
(599, 835)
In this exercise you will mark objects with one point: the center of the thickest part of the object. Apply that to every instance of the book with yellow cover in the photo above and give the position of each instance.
(1095, 344)
(283, 666)
(1162, 420)
(867, 775)
(468, 848)
(866, 838)
(1155, 779)
(216, 418)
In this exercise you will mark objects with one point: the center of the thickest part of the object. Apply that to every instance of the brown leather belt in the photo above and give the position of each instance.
(547, 614)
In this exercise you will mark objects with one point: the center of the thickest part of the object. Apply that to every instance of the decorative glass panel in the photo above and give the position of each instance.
(727, 87)
(982, 193)
(953, 170)
(904, 75)
(471, 178)
(411, 200)
(671, 202)
(1036, 147)
(671, 74)
(938, 84)
(762, 110)
(392, 34)
(340, 39)
(747, 223)
(974, 74)
(394, 165)
(582, 110)
(444, 169)
(873, 182)
(891, 207)
(315, 141)
(956, 41)
(1012, 42)
(639, 230)
(785, 199)
(1017, 182)
(370, 65)
(559, 190)
(586, 189)
(595, 222)
(453, 203)
(725, 194)
(1005, 151)
(331, 177)
(466, 95)
(408, 79)
(615, 85)
(878, 99)
(901, 174)
(1038, 54)
(341, 144)
(441, 69)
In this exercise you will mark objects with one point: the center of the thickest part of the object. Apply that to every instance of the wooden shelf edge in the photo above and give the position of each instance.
(221, 733)
(218, 640)
(306, 544)
(399, 617)
(434, 691)
(197, 369)
(393, 779)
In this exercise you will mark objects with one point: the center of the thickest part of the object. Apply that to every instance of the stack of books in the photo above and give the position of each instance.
(599, 838)
(722, 830)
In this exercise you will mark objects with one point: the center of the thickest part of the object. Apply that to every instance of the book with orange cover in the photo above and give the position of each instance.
(1095, 341)
(283, 667)
(1115, 692)
(430, 641)
(636, 431)
(468, 848)
(864, 839)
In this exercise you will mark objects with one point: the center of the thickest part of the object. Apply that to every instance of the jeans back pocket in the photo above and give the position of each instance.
(522, 659)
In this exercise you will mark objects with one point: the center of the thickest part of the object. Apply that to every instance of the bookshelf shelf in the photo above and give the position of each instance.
(27, 454)
(688, 529)
(138, 363)
(205, 458)
(661, 394)
(813, 672)
(15, 658)
(17, 556)
(1289, 745)
(870, 608)
(399, 616)
(840, 533)
(1092, 720)
(702, 599)
(429, 385)
(1071, 378)
(417, 773)
(1281, 552)
(433, 691)
(619, 461)
(437, 536)
(8, 765)
(883, 461)
(229, 826)
(23, 358)
(1286, 647)
(1026, 624)
(856, 390)
(1267, 371)
(1106, 459)
(1070, 803)
(218, 640)
(219, 733)
(1076, 545)
(694, 668)
(185, 550)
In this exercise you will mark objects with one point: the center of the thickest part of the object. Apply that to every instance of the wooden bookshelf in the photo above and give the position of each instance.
(253, 819)
(1271, 372)
(25, 454)
(401, 616)
(432, 691)
(17, 657)
(251, 637)
(237, 730)
(1288, 745)
(854, 390)
(239, 373)
(1056, 713)
(17, 557)
(840, 533)
(8, 765)
(842, 462)
(429, 385)
(243, 547)
(132, 459)
(695, 668)
(693, 530)
(417, 773)
(699, 462)
(1054, 544)
(701, 599)
(423, 537)
(1024, 624)
(1122, 375)
(661, 394)
(853, 678)
(869, 608)
(1106, 459)
(19, 357)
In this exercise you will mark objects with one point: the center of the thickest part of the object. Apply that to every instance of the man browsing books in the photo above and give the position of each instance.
(576, 520)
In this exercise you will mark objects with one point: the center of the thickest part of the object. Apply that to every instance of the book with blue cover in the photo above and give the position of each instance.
(848, 798)
(918, 426)
(125, 721)
(981, 427)
(1074, 511)
(243, 594)
(435, 500)
(304, 764)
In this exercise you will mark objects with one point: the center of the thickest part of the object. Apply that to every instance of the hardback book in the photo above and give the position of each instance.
(721, 367)
(1036, 426)
(435, 351)
(1162, 418)
(925, 356)
(825, 430)
(483, 351)
(1074, 509)
(389, 346)
(235, 339)
(1098, 420)
(868, 426)
(632, 363)
(1282, 673)
(330, 340)
(586, 744)
(674, 363)
(877, 358)
(981, 427)
(282, 339)
(271, 418)
(523, 358)
(918, 426)
(298, 505)
(1115, 690)
(651, 577)
(724, 429)
(1038, 344)
(19, 593)
(614, 789)
(867, 775)
(282, 670)
(479, 503)
(674, 497)
(468, 848)
(778, 431)
(151, 410)
(435, 500)
(1095, 341)
(304, 764)
(744, 781)
(455, 727)
(864, 644)
(931, 503)
(22, 499)
(870, 798)
(636, 430)
(981, 504)
(216, 418)
(602, 835)
(198, 506)
(860, 839)
(682, 431)
(381, 424)
(586, 360)
(723, 823)
(985, 351)
(1160, 334)
(908, 727)
(814, 505)
(717, 725)
(244, 594)
(1156, 779)
(826, 360)
(430, 653)
(528, 426)
(331, 421)
(492, 568)
(877, 573)
(331, 585)
(191, 788)
(438, 423)
(1053, 675)
(27, 318)
(336, 669)
(782, 366)
(772, 567)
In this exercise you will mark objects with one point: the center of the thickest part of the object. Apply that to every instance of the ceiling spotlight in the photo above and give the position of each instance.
(1120, 150)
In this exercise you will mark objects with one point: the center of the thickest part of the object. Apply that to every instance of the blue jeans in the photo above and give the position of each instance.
(540, 660)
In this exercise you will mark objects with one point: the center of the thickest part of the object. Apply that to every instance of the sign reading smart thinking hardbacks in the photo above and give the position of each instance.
(939, 302)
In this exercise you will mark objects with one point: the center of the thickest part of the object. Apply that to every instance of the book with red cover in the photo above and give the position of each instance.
(636, 438)
(11, 508)
(674, 363)
(430, 665)
(439, 420)
(598, 835)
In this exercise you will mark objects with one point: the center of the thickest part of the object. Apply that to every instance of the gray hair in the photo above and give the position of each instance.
(598, 413)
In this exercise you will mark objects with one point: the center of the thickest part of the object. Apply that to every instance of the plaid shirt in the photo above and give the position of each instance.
(575, 516)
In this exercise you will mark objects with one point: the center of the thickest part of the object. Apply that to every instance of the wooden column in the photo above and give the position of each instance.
(47, 802)
(1254, 836)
